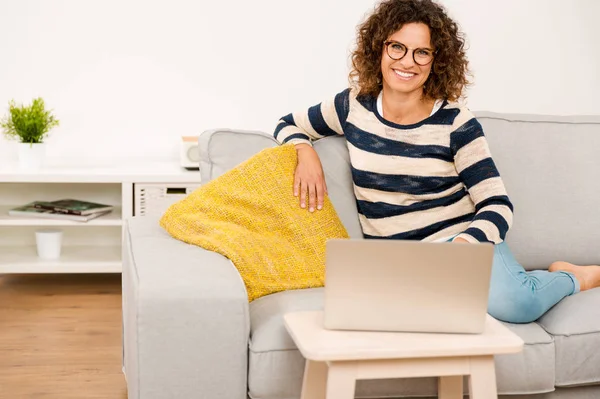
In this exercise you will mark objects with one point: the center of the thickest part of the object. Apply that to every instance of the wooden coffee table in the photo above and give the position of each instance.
(336, 359)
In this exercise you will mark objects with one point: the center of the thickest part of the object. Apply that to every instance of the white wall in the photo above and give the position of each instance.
(532, 56)
(128, 77)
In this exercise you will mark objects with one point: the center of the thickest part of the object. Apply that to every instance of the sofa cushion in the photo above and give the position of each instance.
(551, 169)
(532, 370)
(276, 366)
(588, 392)
(575, 324)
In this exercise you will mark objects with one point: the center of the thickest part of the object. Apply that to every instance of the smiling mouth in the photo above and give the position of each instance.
(404, 75)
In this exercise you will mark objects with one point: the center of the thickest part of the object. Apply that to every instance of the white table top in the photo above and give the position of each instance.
(100, 171)
(317, 343)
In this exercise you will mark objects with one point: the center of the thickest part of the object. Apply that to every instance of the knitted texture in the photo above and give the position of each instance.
(251, 216)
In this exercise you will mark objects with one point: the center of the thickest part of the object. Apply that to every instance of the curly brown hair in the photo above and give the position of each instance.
(449, 71)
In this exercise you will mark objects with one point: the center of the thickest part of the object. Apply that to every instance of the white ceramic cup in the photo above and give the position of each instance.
(49, 242)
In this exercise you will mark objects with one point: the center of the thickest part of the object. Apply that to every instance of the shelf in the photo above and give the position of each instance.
(74, 259)
(96, 249)
(111, 219)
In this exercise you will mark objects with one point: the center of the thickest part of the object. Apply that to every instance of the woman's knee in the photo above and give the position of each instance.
(520, 307)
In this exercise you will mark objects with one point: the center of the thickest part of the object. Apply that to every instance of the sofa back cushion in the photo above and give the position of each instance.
(549, 165)
(221, 150)
(551, 169)
(335, 159)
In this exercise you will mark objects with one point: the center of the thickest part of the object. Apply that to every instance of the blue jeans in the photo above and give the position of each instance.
(520, 296)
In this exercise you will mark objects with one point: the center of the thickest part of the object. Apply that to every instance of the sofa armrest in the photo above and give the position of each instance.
(223, 149)
(185, 318)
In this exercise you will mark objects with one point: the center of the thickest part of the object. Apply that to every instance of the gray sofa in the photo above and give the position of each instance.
(189, 331)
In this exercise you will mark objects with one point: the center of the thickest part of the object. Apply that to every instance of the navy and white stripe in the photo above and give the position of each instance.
(427, 181)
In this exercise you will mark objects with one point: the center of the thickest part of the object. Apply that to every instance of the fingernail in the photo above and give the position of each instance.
(302, 205)
(312, 209)
(319, 207)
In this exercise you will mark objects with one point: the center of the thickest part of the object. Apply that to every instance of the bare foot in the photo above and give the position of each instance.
(588, 276)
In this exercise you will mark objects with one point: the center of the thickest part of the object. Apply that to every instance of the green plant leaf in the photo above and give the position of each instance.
(28, 123)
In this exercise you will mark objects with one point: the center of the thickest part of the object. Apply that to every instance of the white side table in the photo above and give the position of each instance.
(336, 359)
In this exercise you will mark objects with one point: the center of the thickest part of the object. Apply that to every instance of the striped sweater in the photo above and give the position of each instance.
(427, 181)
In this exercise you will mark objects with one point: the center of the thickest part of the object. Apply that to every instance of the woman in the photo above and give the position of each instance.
(421, 166)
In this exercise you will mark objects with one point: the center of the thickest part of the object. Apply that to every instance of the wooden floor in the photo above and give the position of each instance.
(60, 337)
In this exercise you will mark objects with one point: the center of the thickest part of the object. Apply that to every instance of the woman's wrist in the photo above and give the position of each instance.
(460, 240)
(305, 150)
(303, 146)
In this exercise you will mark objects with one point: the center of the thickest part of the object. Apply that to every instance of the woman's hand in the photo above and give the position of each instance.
(309, 179)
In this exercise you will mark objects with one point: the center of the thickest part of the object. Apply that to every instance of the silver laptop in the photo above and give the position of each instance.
(406, 286)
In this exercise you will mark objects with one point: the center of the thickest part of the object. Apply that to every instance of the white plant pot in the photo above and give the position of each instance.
(31, 156)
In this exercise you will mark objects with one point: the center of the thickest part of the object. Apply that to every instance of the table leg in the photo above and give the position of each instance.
(314, 382)
(482, 381)
(450, 387)
(341, 380)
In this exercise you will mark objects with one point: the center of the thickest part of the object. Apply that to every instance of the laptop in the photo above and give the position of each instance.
(406, 286)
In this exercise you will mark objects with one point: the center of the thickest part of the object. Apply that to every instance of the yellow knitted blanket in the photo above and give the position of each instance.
(251, 216)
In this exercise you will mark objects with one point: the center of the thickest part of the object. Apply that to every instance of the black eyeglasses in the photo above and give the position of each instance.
(397, 51)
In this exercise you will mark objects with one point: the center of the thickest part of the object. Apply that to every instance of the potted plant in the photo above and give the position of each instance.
(30, 124)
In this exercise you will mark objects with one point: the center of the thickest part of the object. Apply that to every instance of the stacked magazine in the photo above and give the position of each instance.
(66, 209)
